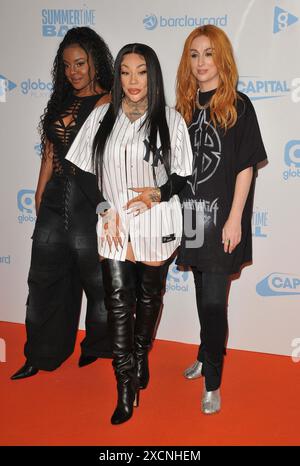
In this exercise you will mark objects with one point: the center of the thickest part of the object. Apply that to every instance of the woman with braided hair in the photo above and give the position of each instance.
(64, 256)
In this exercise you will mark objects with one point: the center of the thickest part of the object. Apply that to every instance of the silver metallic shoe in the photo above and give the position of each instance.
(211, 401)
(194, 371)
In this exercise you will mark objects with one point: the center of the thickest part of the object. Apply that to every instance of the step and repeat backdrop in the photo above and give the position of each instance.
(264, 310)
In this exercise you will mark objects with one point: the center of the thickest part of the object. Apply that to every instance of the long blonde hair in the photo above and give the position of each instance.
(223, 103)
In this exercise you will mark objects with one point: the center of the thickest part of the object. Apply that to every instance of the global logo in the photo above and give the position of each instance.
(5, 86)
(258, 89)
(26, 205)
(176, 280)
(150, 22)
(36, 88)
(4, 260)
(259, 222)
(279, 284)
(56, 23)
(292, 160)
(282, 19)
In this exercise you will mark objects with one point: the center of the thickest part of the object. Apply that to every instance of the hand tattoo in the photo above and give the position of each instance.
(155, 195)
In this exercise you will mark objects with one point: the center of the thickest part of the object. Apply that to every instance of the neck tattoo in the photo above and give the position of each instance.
(135, 110)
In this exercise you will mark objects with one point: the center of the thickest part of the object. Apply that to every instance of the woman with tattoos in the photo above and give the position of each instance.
(142, 156)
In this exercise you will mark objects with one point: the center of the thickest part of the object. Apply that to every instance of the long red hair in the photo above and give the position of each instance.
(223, 103)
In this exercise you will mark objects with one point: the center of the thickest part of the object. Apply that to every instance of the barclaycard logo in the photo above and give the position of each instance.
(282, 20)
(259, 222)
(56, 23)
(279, 284)
(257, 88)
(292, 160)
(176, 280)
(151, 21)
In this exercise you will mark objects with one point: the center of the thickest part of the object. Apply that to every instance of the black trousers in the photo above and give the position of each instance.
(211, 296)
(64, 261)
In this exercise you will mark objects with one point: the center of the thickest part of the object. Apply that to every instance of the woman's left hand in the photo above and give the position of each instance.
(231, 234)
(147, 198)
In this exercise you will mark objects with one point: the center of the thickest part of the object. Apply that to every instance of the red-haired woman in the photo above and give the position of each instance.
(217, 200)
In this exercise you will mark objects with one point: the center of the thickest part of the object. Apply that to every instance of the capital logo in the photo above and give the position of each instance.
(56, 23)
(259, 222)
(258, 88)
(25, 200)
(150, 22)
(176, 280)
(282, 19)
(279, 284)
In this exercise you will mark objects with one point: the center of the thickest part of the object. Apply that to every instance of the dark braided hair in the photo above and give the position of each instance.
(92, 44)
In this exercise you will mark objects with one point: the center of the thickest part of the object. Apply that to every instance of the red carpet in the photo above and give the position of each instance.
(72, 406)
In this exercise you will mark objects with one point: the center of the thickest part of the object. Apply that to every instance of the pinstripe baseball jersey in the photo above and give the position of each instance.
(128, 163)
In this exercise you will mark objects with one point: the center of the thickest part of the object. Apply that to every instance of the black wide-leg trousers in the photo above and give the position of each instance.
(64, 260)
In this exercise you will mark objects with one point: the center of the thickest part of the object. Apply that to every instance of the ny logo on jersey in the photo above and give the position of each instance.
(157, 154)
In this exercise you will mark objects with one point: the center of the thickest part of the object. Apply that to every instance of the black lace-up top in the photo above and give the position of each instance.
(71, 192)
(63, 131)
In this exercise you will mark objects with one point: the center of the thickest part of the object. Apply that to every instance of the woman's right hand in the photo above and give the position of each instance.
(111, 229)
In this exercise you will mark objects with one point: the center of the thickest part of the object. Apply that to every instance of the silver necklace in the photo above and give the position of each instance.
(199, 106)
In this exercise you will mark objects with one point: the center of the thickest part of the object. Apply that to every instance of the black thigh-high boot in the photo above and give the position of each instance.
(119, 280)
(151, 285)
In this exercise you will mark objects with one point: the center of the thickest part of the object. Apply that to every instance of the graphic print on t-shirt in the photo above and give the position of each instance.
(207, 209)
(206, 138)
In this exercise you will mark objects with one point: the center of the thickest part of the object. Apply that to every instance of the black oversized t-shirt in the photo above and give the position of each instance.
(218, 158)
